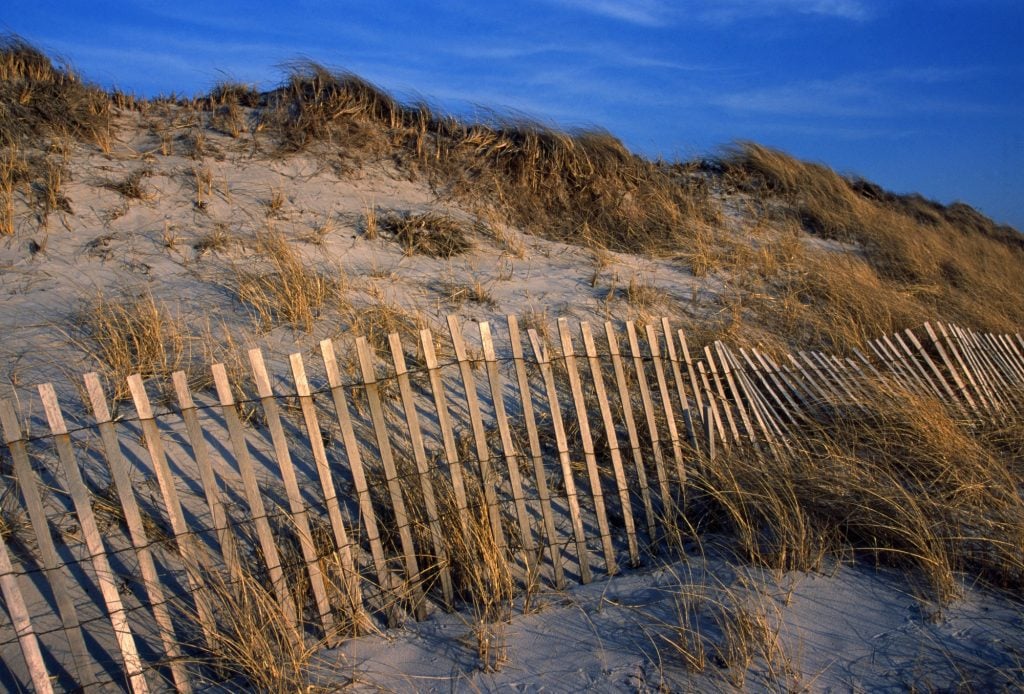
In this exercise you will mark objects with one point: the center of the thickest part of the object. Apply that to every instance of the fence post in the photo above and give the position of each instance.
(540, 352)
(590, 459)
(539, 473)
(422, 471)
(28, 483)
(119, 472)
(22, 623)
(94, 542)
(412, 570)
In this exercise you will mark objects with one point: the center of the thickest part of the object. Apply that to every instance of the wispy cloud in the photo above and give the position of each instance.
(726, 11)
(652, 13)
(875, 94)
(658, 13)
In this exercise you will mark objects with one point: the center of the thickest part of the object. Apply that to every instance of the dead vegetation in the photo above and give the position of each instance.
(282, 287)
(910, 258)
(128, 335)
(898, 479)
(428, 233)
(41, 102)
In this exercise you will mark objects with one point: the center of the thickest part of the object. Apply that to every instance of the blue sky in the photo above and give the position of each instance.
(923, 96)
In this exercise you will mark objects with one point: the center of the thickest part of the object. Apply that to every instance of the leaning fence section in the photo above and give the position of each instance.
(343, 489)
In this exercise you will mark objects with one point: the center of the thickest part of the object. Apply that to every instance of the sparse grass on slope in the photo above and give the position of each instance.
(39, 101)
(899, 480)
(926, 259)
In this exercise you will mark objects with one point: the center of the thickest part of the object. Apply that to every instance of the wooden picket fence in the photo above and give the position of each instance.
(337, 493)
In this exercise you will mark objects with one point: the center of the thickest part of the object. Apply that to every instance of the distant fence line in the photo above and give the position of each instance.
(338, 494)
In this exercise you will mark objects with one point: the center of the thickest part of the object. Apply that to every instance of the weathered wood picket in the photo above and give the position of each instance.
(338, 495)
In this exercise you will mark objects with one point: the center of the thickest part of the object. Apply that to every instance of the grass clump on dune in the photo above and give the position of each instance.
(281, 287)
(39, 100)
(951, 261)
(898, 479)
(428, 233)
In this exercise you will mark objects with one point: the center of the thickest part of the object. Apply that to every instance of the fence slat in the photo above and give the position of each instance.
(761, 373)
(694, 384)
(590, 459)
(343, 545)
(667, 502)
(1014, 352)
(299, 514)
(562, 443)
(208, 478)
(387, 583)
(613, 441)
(820, 394)
(722, 397)
(775, 379)
(827, 384)
(253, 496)
(712, 403)
(183, 537)
(380, 428)
(625, 401)
(968, 374)
(496, 386)
(1009, 357)
(29, 484)
(1011, 374)
(536, 454)
(990, 374)
(119, 473)
(952, 399)
(488, 481)
(422, 471)
(977, 365)
(94, 543)
(834, 374)
(653, 343)
(736, 394)
(965, 394)
(745, 390)
(444, 423)
(908, 354)
(22, 623)
(897, 357)
(677, 375)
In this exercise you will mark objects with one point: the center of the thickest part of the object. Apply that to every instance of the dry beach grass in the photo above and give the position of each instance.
(191, 228)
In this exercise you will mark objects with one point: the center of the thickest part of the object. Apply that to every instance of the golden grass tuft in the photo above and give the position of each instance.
(41, 101)
(428, 233)
(137, 334)
(254, 640)
(917, 257)
(281, 287)
(898, 479)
